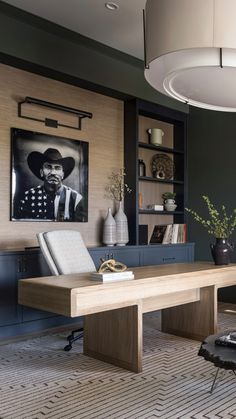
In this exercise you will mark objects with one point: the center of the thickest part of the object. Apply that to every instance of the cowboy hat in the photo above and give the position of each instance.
(36, 160)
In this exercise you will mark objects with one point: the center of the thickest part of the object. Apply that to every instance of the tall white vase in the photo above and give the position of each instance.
(109, 229)
(122, 233)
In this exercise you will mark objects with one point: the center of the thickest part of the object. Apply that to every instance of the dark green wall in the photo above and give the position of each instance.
(34, 40)
(211, 169)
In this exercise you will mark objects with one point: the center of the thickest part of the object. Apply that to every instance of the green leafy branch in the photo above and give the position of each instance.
(219, 223)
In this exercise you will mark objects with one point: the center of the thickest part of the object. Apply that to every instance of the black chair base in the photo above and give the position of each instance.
(72, 338)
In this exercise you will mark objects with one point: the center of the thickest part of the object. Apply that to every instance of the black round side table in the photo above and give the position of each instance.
(222, 356)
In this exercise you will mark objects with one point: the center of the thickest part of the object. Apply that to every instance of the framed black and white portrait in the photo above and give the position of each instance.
(49, 177)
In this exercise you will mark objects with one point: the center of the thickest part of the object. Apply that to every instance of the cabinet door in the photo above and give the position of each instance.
(10, 311)
(163, 254)
(34, 265)
(130, 257)
(97, 255)
(126, 255)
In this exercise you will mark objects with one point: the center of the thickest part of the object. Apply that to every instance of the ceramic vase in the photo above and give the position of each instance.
(221, 251)
(109, 229)
(122, 234)
(170, 205)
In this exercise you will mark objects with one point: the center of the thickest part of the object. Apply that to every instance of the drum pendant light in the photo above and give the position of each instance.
(190, 51)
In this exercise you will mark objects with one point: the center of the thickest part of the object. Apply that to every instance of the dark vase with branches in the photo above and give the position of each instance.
(220, 225)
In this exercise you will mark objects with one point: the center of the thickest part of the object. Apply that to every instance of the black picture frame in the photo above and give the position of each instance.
(31, 199)
(158, 234)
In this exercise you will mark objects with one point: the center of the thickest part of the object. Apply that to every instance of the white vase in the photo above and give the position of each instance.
(109, 229)
(122, 233)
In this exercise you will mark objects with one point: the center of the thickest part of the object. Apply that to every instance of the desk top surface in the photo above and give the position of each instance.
(197, 271)
(75, 295)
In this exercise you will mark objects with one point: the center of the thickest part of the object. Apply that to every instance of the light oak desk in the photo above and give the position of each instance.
(186, 293)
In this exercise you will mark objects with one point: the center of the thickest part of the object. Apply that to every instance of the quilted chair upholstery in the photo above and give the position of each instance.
(66, 253)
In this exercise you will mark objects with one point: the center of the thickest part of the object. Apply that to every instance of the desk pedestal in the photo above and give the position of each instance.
(115, 336)
(195, 320)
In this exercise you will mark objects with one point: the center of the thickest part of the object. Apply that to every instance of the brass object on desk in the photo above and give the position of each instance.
(111, 265)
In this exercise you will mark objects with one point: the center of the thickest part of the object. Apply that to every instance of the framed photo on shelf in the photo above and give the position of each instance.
(158, 234)
(49, 177)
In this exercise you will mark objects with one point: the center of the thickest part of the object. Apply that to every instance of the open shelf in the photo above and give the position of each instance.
(153, 179)
(146, 211)
(160, 148)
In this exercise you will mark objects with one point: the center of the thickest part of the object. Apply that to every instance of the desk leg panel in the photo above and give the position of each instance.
(195, 320)
(115, 336)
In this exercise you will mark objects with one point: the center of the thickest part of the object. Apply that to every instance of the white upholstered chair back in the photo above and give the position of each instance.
(65, 252)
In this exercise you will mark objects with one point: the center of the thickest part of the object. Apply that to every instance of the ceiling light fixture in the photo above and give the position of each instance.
(190, 51)
(111, 6)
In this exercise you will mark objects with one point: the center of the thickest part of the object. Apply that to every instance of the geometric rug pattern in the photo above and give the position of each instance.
(40, 380)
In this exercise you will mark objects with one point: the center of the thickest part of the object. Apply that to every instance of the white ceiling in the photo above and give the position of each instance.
(121, 29)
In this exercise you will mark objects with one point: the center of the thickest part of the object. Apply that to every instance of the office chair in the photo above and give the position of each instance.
(66, 253)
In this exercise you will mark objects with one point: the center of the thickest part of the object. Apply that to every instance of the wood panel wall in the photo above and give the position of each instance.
(104, 132)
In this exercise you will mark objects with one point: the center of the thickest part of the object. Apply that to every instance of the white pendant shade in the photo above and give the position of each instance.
(191, 51)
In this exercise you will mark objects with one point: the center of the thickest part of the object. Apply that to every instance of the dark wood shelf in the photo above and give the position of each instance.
(160, 148)
(152, 179)
(146, 211)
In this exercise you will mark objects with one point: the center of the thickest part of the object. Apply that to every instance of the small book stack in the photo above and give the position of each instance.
(111, 276)
(227, 340)
(155, 207)
(169, 234)
(175, 233)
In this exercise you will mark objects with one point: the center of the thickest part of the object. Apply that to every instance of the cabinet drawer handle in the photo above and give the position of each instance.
(109, 256)
(164, 259)
(19, 267)
(24, 265)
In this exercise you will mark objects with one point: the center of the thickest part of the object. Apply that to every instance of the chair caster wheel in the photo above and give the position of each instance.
(68, 348)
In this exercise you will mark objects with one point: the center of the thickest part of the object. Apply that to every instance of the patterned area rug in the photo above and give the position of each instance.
(39, 380)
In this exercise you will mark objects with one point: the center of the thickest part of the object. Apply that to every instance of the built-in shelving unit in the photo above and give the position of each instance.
(139, 116)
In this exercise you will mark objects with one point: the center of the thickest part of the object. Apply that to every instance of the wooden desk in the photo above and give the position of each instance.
(187, 293)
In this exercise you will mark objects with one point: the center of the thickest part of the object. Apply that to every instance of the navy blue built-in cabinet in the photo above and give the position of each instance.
(14, 265)
(145, 255)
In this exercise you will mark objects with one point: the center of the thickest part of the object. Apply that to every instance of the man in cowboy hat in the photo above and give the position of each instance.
(52, 200)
